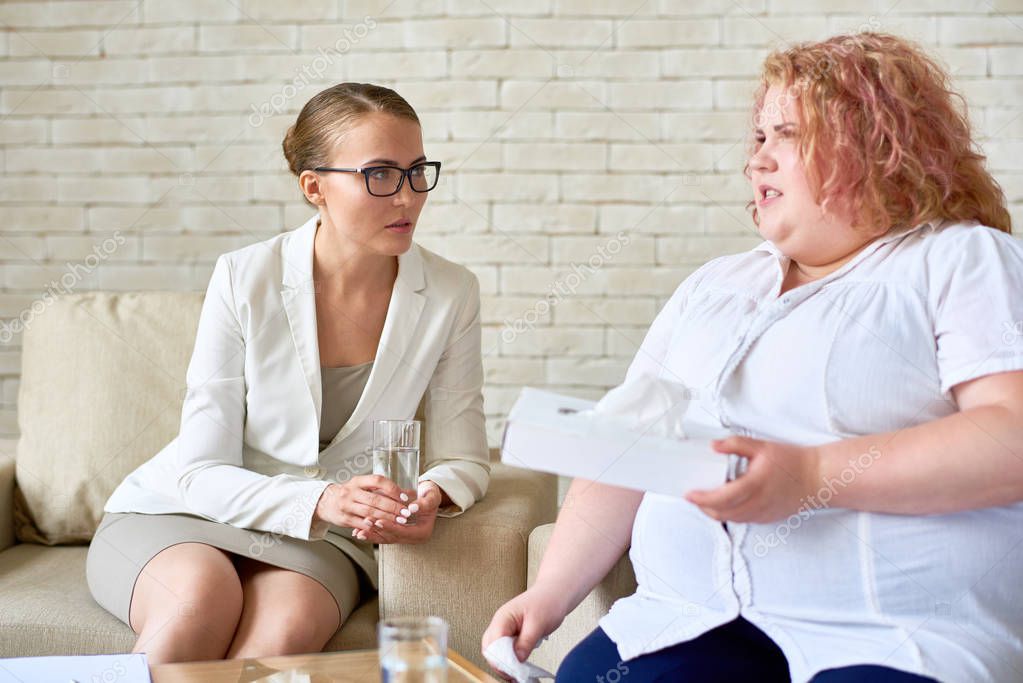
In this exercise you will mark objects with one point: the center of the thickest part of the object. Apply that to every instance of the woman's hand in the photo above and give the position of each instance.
(364, 503)
(527, 617)
(781, 478)
(414, 527)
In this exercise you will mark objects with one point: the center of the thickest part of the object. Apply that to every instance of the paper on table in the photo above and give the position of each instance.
(567, 436)
(126, 668)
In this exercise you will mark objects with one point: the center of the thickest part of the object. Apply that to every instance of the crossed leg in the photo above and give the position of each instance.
(283, 612)
(195, 602)
(185, 604)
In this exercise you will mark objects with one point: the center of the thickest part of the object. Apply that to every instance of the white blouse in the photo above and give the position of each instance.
(873, 347)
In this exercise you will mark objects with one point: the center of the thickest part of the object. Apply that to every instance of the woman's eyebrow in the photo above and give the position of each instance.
(777, 129)
(392, 162)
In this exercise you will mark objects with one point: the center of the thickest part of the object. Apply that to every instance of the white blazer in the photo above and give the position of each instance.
(248, 450)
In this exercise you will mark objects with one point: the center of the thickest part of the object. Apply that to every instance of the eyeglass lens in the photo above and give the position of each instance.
(385, 180)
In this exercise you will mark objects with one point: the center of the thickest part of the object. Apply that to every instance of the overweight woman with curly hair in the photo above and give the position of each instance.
(859, 356)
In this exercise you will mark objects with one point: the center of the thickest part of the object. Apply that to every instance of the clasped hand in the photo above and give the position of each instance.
(380, 512)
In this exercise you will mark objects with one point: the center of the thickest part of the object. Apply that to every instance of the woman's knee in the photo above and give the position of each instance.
(284, 613)
(188, 580)
(299, 630)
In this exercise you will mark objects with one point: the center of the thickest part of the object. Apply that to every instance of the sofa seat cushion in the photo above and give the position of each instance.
(46, 608)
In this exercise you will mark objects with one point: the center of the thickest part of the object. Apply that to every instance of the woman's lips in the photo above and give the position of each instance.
(402, 227)
(766, 195)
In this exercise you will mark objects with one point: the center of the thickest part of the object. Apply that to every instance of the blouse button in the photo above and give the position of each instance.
(313, 472)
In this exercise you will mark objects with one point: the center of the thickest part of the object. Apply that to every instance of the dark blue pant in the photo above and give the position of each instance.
(737, 651)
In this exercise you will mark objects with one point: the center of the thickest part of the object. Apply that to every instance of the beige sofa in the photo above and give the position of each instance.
(619, 582)
(101, 388)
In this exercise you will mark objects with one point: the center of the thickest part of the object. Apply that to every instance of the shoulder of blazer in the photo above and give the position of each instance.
(259, 255)
(444, 277)
(262, 264)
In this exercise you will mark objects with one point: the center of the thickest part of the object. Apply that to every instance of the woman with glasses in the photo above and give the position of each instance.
(252, 532)
(866, 358)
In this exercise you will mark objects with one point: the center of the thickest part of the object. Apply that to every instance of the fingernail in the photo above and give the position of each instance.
(414, 507)
(400, 520)
(406, 512)
(354, 531)
(379, 524)
(404, 497)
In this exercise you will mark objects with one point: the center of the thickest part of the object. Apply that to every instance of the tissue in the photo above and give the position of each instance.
(648, 405)
(501, 655)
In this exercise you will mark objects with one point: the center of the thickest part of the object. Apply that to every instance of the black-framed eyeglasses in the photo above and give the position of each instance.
(384, 181)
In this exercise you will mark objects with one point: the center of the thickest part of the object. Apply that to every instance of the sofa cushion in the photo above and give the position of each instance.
(46, 609)
(102, 382)
(487, 543)
(619, 583)
(6, 493)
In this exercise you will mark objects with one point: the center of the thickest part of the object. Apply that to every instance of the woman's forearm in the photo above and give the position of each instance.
(594, 528)
(967, 460)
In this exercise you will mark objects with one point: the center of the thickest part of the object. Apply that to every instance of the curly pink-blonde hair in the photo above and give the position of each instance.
(882, 131)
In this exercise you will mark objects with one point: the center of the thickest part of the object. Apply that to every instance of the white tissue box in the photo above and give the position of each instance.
(546, 432)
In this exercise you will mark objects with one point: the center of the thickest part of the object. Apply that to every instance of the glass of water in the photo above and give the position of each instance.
(413, 650)
(396, 453)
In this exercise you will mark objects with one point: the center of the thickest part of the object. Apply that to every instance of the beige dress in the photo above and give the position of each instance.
(125, 542)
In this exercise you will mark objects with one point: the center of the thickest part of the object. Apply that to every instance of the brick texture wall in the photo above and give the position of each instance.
(592, 148)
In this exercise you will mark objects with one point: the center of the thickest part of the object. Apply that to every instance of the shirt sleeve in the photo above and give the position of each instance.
(458, 459)
(977, 299)
(212, 479)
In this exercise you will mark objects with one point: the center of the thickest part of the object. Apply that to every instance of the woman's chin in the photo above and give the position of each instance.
(394, 243)
(771, 232)
(785, 241)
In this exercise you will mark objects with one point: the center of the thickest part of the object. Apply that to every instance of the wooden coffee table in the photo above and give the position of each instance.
(356, 666)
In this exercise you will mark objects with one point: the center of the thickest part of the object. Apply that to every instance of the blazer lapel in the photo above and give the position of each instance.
(403, 313)
(298, 295)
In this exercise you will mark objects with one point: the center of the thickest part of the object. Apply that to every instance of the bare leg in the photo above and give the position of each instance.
(284, 612)
(186, 604)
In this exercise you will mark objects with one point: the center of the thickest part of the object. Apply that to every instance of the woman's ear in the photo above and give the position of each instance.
(309, 182)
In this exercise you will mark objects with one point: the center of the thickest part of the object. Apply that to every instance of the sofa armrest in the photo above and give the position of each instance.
(619, 582)
(474, 562)
(7, 447)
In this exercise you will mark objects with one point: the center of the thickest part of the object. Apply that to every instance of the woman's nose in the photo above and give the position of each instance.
(762, 160)
(405, 194)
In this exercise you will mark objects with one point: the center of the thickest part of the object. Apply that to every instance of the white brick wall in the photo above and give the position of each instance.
(561, 123)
